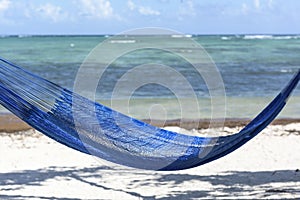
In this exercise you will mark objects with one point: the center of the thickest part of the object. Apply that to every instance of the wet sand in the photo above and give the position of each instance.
(10, 123)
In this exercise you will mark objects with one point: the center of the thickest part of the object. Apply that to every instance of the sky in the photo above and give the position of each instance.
(42, 17)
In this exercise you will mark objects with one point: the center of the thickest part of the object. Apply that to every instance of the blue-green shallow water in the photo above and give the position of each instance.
(254, 70)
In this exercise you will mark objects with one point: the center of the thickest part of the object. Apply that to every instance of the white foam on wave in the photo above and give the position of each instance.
(271, 37)
(122, 41)
(251, 37)
(181, 36)
(24, 36)
(287, 37)
(226, 38)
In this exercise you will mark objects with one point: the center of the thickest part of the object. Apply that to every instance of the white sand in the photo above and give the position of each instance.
(35, 167)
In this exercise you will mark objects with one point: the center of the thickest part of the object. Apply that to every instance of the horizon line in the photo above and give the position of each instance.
(187, 34)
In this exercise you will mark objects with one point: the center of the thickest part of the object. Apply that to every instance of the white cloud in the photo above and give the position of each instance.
(187, 9)
(52, 12)
(270, 3)
(100, 9)
(143, 10)
(4, 5)
(131, 5)
(245, 8)
(148, 11)
(257, 4)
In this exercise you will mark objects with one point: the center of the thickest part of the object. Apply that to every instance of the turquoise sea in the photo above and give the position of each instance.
(254, 68)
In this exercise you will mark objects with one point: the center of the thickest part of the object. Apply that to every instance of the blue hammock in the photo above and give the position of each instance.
(105, 133)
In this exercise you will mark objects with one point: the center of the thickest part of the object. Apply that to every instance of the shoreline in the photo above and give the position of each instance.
(9, 123)
(190, 124)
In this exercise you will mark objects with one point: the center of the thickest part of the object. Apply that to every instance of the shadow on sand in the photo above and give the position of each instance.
(260, 184)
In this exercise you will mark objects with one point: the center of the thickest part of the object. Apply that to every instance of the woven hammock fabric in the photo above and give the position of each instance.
(105, 133)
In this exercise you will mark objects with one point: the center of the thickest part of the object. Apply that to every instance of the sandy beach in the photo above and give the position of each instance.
(36, 167)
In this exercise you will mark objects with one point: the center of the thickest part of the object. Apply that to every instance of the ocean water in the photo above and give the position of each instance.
(254, 68)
